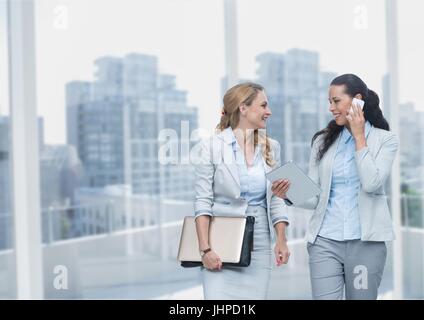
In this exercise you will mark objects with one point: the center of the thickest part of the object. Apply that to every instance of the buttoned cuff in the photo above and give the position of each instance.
(202, 213)
(282, 219)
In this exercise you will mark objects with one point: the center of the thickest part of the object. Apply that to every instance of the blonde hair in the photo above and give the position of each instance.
(244, 93)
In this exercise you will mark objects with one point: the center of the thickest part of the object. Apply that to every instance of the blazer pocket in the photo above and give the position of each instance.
(381, 213)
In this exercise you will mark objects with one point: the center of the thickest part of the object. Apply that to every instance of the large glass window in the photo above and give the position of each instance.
(116, 80)
(411, 134)
(125, 88)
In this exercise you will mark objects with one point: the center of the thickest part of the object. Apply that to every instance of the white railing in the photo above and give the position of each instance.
(110, 215)
(99, 261)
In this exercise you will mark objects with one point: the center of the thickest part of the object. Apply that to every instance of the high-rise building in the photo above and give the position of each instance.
(109, 79)
(411, 144)
(78, 93)
(115, 123)
(324, 114)
(6, 213)
(140, 77)
(61, 173)
(100, 141)
(293, 84)
(270, 74)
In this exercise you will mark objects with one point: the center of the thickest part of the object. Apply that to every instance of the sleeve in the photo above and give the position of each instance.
(313, 173)
(278, 209)
(204, 173)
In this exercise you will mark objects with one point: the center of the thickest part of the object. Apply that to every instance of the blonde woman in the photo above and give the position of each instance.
(230, 180)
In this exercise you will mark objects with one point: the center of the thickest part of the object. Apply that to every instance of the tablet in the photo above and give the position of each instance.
(302, 188)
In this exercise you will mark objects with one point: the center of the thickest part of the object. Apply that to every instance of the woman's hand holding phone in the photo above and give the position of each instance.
(357, 123)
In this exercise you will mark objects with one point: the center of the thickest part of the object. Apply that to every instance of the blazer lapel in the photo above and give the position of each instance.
(329, 163)
(332, 151)
(232, 168)
(333, 148)
(228, 157)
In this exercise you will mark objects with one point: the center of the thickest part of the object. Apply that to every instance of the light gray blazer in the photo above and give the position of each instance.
(217, 183)
(374, 164)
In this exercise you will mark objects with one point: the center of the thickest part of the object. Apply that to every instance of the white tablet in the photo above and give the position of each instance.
(302, 188)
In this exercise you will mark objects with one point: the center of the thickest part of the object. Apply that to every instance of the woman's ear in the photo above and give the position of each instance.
(359, 96)
(242, 109)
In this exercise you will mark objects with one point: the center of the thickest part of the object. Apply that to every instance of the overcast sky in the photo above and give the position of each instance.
(188, 38)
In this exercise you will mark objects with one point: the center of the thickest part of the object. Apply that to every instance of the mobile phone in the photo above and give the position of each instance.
(358, 102)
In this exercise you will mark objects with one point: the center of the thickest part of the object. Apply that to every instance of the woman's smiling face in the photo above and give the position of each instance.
(340, 103)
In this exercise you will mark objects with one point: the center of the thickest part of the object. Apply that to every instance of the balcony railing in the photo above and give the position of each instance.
(109, 253)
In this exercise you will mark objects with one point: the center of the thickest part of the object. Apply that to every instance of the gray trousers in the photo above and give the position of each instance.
(354, 265)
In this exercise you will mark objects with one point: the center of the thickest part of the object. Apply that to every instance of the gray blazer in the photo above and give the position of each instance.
(217, 183)
(374, 164)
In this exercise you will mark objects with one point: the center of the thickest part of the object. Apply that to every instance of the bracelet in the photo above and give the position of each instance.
(203, 252)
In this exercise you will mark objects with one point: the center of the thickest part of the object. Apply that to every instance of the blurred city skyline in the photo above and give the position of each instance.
(193, 49)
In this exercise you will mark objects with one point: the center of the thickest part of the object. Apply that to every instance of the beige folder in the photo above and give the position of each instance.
(225, 238)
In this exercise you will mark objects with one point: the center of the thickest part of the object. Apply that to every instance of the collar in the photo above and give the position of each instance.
(228, 136)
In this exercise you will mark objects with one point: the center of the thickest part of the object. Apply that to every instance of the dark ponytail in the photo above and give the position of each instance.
(372, 112)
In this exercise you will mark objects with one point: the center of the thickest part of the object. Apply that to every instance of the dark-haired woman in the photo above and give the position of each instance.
(350, 159)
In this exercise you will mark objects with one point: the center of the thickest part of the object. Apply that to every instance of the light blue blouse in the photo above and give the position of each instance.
(252, 179)
(341, 220)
